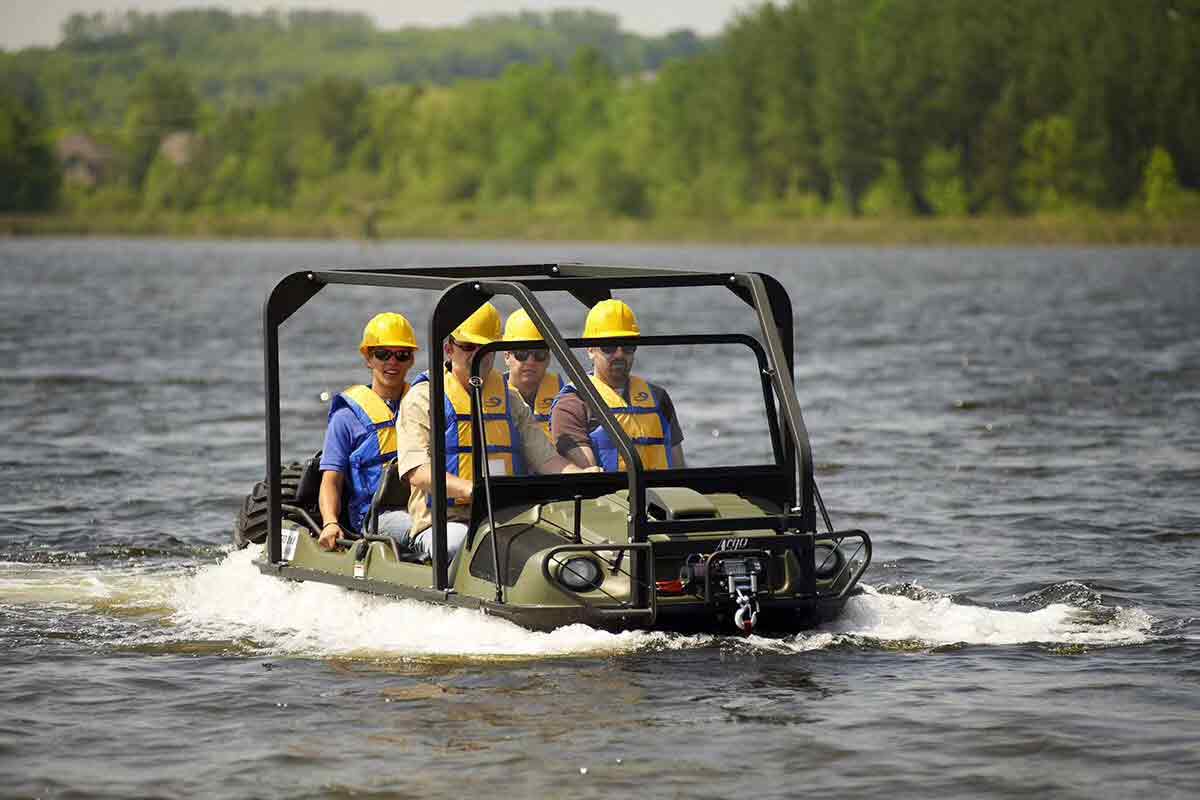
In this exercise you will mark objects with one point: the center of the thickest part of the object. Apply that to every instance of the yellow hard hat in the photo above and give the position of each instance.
(388, 330)
(482, 327)
(610, 318)
(519, 327)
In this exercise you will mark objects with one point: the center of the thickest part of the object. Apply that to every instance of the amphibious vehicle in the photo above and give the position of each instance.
(693, 548)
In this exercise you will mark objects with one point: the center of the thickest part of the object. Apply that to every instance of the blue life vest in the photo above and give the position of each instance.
(642, 419)
(369, 455)
(505, 456)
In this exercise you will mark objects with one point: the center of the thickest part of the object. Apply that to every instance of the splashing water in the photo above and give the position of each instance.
(232, 601)
(939, 621)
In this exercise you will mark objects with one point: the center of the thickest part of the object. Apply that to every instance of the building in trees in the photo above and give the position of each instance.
(84, 161)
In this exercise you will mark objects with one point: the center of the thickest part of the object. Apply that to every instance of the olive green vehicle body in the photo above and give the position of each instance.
(535, 540)
(683, 549)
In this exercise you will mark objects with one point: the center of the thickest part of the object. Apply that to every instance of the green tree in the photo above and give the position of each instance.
(453, 144)
(864, 106)
(176, 187)
(1161, 193)
(1160, 187)
(890, 194)
(328, 121)
(787, 143)
(390, 142)
(977, 44)
(1054, 171)
(162, 102)
(849, 123)
(943, 182)
(673, 145)
(527, 103)
(903, 79)
(31, 176)
(995, 158)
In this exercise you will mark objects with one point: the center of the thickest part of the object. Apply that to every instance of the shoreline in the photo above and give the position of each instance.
(1082, 229)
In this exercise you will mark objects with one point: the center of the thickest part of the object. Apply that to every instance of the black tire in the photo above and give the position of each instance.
(251, 524)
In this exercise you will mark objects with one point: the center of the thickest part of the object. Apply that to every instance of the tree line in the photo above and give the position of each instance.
(809, 108)
(247, 59)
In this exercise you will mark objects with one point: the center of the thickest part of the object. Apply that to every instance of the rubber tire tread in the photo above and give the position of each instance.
(250, 527)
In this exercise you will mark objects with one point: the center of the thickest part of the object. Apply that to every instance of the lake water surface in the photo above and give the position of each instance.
(1019, 431)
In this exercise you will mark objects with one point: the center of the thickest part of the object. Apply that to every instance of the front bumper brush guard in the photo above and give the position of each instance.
(622, 609)
(861, 552)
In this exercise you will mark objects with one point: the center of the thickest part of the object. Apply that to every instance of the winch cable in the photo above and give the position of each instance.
(481, 426)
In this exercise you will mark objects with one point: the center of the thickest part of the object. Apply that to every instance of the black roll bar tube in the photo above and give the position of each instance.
(779, 357)
(554, 341)
(484, 467)
(454, 305)
(589, 284)
(284, 300)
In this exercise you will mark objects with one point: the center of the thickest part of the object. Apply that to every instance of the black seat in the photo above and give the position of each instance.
(392, 494)
(308, 487)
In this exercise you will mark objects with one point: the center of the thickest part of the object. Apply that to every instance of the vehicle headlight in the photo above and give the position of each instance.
(579, 574)
(827, 560)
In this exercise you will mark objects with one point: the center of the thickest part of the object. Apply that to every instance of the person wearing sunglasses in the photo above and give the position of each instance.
(527, 369)
(643, 409)
(515, 442)
(361, 435)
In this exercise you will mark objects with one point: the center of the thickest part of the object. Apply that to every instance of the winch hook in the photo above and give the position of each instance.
(746, 616)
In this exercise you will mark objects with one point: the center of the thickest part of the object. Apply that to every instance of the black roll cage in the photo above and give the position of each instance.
(789, 481)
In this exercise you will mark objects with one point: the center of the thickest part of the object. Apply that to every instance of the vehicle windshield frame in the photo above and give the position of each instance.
(646, 341)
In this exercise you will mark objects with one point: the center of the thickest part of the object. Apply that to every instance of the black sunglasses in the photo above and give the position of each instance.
(466, 347)
(609, 349)
(538, 355)
(384, 354)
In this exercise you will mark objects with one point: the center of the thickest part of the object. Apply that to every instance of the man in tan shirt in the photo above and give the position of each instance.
(516, 444)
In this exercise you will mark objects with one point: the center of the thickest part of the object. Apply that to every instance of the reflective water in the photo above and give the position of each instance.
(1018, 429)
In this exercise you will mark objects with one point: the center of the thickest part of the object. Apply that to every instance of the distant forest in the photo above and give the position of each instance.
(811, 108)
(246, 59)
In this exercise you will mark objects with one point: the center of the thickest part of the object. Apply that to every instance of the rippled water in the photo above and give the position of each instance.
(1018, 429)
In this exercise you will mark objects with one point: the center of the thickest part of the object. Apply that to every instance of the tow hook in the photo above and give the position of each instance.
(739, 571)
(746, 616)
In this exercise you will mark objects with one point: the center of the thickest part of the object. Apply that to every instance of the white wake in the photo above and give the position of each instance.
(939, 621)
(231, 601)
